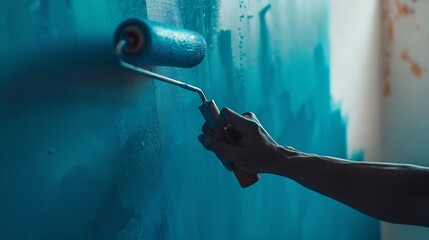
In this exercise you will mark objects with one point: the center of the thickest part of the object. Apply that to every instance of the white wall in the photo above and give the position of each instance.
(405, 128)
(355, 63)
(384, 95)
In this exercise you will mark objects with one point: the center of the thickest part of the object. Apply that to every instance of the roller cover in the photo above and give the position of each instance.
(162, 44)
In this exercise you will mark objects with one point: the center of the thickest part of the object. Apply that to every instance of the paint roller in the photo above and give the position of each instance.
(145, 43)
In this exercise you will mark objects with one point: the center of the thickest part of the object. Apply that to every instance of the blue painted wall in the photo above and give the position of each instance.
(90, 151)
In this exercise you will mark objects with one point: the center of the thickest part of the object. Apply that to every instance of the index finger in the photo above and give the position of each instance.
(228, 116)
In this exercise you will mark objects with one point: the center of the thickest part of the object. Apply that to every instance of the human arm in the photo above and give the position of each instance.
(396, 193)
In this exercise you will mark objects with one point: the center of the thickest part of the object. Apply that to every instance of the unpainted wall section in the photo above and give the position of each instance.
(405, 79)
(355, 39)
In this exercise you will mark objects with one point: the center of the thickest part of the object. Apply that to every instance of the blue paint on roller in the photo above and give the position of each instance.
(161, 45)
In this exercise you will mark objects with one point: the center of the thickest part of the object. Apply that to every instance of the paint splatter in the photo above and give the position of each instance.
(387, 89)
(403, 9)
(386, 72)
(386, 53)
(386, 64)
(390, 31)
(385, 15)
(418, 27)
(415, 68)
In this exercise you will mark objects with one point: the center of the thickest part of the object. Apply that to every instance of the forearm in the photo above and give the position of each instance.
(390, 192)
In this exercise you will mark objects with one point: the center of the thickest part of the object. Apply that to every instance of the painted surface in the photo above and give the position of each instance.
(405, 115)
(91, 151)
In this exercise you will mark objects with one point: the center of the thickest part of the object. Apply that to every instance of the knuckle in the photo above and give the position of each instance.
(207, 143)
(250, 115)
(210, 145)
(225, 110)
(253, 124)
(254, 117)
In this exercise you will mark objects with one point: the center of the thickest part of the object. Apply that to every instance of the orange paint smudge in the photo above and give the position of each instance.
(416, 69)
(403, 9)
(387, 89)
(386, 72)
(386, 53)
(390, 31)
(385, 14)
(418, 27)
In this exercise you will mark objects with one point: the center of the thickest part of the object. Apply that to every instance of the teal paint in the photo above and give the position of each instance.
(161, 45)
(91, 151)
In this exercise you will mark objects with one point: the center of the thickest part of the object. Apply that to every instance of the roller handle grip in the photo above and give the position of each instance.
(210, 112)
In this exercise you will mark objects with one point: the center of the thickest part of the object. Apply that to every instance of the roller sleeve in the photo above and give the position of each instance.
(152, 43)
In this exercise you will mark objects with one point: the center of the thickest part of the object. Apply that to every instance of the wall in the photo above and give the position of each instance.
(405, 115)
(355, 38)
(90, 151)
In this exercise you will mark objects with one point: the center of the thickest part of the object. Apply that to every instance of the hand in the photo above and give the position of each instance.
(241, 140)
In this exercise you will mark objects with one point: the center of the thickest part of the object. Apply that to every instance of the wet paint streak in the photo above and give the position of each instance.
(415, 67)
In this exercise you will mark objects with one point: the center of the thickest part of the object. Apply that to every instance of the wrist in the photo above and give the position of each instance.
(282, 160)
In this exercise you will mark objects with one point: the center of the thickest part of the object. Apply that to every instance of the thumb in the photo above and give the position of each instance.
(219, 147)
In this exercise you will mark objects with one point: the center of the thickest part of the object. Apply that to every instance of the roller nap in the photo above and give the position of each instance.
(152, 43)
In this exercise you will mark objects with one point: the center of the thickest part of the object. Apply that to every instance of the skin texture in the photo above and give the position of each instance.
(396, 193)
